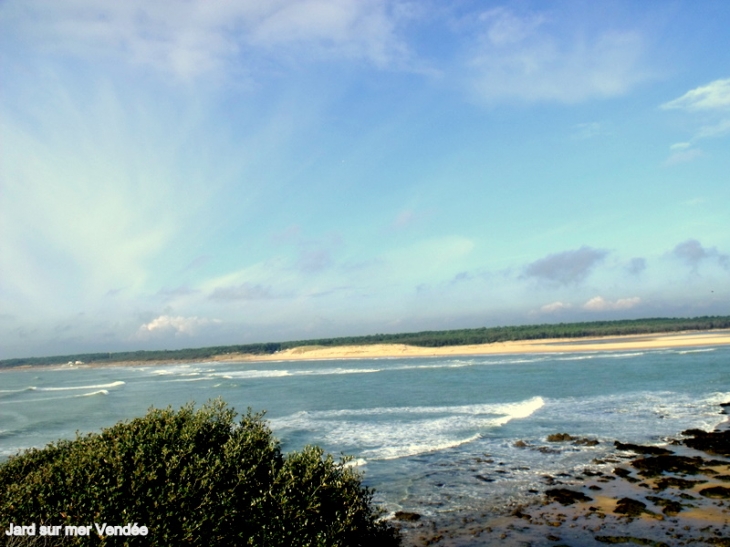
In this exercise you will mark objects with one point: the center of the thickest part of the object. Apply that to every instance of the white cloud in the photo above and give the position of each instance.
(175, 325)
(713, 100)
(196, 37)
(555, 307)
(529, 58)
(715, 130)
(715, 95)
(598, 303)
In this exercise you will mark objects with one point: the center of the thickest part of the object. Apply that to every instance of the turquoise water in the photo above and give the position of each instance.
(431, 435)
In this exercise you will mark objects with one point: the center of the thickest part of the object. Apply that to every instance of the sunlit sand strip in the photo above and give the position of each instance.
(639, 342)
(560, 345)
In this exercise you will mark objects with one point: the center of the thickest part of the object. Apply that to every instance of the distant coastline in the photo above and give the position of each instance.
(545, 338)
(693, 341)
(549, 345)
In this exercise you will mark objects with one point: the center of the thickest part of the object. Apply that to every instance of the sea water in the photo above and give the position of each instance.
(431, 435)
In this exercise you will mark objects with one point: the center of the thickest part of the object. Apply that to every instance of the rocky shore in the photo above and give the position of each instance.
(644, 495)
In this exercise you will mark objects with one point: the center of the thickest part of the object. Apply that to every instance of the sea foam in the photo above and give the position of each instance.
(387, 433)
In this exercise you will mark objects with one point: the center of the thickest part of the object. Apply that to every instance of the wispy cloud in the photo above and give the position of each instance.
(683, 155)
(403, 219)
(713, 96)
(531, 57)
(244, 291)
(197, 37)
(714, 130)
(461, 276)
(585, 131)
(566, 268)
(712, 101)
(177, 292)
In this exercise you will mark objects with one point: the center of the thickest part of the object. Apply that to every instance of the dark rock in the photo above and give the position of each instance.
(656, 465)
(629, 539)
(560, 438)
(630, 507)
(586, 442)
(671, 508)
(716, 492)
(547, 450)
(673, 482)
(640, 449)
(406, 516)
(483, 478)
(594, 487)
(724, 478)
(520, 444)
(716, 442)
(565, 496)
(625, 474)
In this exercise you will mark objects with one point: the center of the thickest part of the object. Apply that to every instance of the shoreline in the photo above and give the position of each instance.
(677, 494)
(632, 342)
(691, 339)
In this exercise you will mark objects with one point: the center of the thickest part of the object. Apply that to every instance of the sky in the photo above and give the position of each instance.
(209, 172)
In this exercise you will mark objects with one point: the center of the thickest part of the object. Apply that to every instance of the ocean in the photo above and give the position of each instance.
(436, 436)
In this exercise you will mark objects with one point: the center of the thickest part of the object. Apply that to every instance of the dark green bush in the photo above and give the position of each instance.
(192, 478)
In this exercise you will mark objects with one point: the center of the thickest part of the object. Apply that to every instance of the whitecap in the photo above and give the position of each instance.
(100, 392)
(71, 388)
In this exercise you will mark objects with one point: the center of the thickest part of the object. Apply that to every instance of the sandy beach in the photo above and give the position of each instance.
(557, 345)
(639, 342)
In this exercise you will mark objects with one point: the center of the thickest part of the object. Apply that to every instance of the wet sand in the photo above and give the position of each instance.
(680, 497)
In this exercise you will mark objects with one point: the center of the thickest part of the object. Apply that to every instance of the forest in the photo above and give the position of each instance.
(459, 337)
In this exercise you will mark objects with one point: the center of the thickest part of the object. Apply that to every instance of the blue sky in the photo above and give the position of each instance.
(204, 172)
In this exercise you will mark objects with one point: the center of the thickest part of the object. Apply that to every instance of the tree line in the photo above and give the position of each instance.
(433, 339)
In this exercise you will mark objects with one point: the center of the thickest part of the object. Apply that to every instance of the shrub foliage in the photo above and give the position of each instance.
(192, 477)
